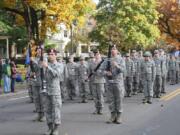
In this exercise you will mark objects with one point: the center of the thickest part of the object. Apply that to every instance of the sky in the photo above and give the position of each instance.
(96, 1)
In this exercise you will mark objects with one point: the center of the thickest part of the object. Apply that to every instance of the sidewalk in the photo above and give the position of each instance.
(19, 87)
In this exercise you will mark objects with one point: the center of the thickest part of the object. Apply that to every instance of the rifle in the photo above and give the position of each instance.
(108, 68)
(97, 67)
(31, 63)
(43, 81)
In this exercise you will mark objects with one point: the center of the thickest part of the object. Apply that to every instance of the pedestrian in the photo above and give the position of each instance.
(115, 86)
(158, 78)
(72, 80)
(136, 79)
(177, 69)
(90, 62)
(130, 71)
(98, 82)
(53, 100)
(63, 77)
(165, 62)
(83, 71)
(148, 72)
(172, 69)
(6, 76)
(29, 83)
(37, 85)
(13, 76)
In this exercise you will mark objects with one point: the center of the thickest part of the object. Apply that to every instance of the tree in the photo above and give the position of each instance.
(169, 23)
(127, 23)
(43, 15)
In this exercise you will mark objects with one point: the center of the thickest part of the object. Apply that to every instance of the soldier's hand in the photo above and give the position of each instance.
(115, 64)
(44, 64)
(109, 73)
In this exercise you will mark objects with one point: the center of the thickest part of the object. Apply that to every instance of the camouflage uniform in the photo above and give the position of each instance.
(29, 84)
(63, 79)
(116, 89)
(90, 62)
(72, 81)
(177, 69)
(53, 101)
(158, 78)
(148, 73)
(164, 71)
(130, 70)
(98, 81)
(37, 89)
(83, 71)
(136, 78)
(172, 70)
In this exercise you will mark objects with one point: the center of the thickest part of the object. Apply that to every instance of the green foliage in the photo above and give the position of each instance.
(127, 23)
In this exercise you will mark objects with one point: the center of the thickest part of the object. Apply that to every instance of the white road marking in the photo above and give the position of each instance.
(13, 99)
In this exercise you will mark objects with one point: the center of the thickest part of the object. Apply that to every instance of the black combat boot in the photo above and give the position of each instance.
(149, 101)
(50, 129)
(55, 130)
(118, 118)
(113, 118)
(100, 111)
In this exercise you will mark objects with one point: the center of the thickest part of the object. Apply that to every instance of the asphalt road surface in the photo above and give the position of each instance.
(160, 118)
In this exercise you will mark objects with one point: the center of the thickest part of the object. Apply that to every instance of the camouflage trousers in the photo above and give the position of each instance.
(148, 88)
(157, 85)
(177, 76)
(128, 85)
(98, 91)
(63, 89)
(30, 92)
(53, 105)
(135, 83)
(83, 88)
(172, 76)
(163, 85)
(72, 87)
(38, 99)
(91, 88)
(115, 97)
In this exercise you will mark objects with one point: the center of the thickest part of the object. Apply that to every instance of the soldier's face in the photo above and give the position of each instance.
(114, 51)
(52, 56)
(97, 56)
(146, 58)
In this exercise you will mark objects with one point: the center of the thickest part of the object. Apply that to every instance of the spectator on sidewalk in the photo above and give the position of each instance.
(13, 76)
(6, 76)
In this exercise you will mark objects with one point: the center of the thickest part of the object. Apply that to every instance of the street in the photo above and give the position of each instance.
(160, 118)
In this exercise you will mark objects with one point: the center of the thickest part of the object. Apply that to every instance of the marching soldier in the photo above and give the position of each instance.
(115, 86)
(29, 83)
(63, 77)
(172, 70)
(98, 83)
(141, 59)
(158, 78)
(164, 69)
(90, 62)
(177, 69)
(130, 70)
(148, 73)
(136, 73)
(72, 81)
(37, 86)
(53, 101)
(83, 71)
